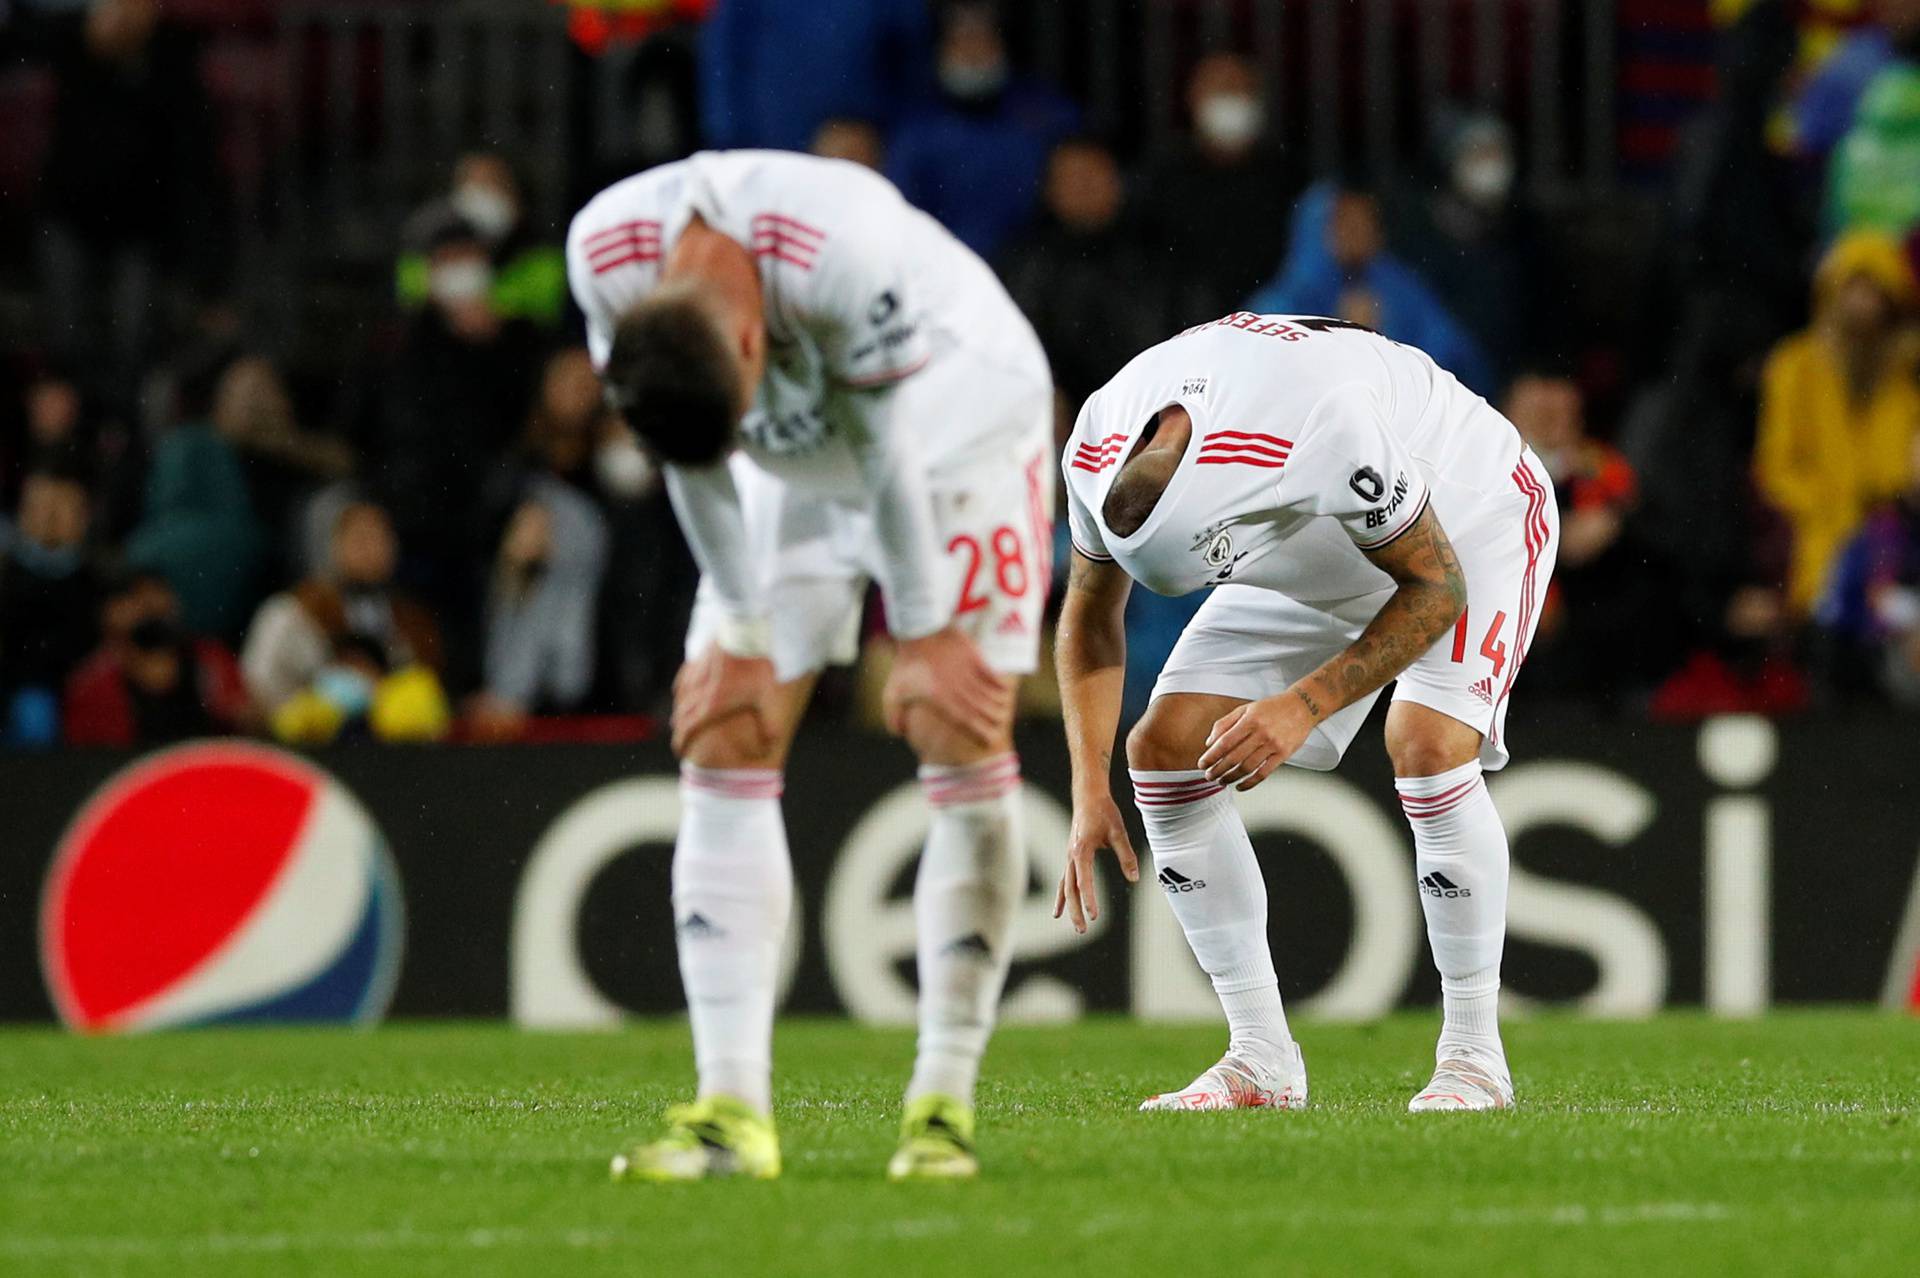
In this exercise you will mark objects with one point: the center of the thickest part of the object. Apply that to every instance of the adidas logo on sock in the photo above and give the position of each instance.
(698, 926)
(1438, 884)
(973, 943)
(1483, 690)
(1174, 881)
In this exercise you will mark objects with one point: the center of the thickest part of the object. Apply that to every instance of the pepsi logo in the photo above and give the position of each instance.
(218, 883)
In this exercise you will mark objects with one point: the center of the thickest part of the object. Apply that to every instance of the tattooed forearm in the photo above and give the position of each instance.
(1090, 648)
(1432, 592)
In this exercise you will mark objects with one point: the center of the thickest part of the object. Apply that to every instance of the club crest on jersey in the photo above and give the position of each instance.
(1215, 545)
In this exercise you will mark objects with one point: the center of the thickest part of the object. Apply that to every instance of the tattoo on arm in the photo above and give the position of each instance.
(1432, 592)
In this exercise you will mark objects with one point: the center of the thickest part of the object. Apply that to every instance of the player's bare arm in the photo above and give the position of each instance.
(1246, 746)
(1091, 655)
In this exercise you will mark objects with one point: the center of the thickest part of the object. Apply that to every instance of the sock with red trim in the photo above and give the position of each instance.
(1204, 862)
(732, 894)
(972, 875)
(1460, 859)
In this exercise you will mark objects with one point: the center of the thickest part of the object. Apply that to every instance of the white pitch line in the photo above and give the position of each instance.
(259, 1244)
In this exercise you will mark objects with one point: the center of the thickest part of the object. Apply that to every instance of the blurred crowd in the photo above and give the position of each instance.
(446, 533)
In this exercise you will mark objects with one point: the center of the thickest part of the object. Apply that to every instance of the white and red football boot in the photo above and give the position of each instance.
(1465, 1081)
(1241, 1081)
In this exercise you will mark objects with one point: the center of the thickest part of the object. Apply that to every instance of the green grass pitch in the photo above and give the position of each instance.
(1679, 1145)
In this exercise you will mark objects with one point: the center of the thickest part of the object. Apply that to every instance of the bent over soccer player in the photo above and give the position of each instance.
(839, 391)
(1363, 520)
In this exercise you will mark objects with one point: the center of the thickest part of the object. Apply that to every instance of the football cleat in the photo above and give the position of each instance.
(1241, 1082)
(715, 1137)
(1464, 1083)
(936, 1141)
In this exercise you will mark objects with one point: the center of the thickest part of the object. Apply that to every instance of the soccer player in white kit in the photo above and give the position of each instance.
(839, 392)
(1363, 519)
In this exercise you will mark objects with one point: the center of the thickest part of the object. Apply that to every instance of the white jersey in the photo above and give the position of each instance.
(1313, 442)
(862, 290)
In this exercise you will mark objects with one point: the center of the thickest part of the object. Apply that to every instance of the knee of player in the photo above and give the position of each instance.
(1419, 752)
(936, 740)
(732, 744)
(1154, 745)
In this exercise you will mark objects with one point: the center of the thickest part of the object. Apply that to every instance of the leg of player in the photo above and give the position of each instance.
(1205, 864)
(732, 894)
(1460, 859)
(972, 875)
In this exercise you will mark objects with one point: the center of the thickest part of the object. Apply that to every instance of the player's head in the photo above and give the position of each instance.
(1144, 476)
(683, 366)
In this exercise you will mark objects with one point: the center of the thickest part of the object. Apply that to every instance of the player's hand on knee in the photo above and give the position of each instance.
(1246, 745)
(945, 671)
(716, 686)
(1096, 824)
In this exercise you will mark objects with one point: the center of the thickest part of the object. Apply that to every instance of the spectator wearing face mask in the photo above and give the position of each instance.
(976, 156)
(1220, 204)
(429, 426)
(48, 596)
(1473, 240)
(152, 681)
(295, 633)
(528, 279)
(359, 695)
(1339, 266)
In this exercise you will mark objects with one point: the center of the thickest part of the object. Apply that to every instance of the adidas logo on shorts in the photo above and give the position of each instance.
(1012, 624)
(1483, 690)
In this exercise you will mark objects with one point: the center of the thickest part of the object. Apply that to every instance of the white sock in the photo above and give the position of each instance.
(732, 894)
(1460, 857)
(1204, 862)
(972, 875)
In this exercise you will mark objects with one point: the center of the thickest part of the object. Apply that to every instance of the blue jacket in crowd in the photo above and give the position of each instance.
(1311, 282)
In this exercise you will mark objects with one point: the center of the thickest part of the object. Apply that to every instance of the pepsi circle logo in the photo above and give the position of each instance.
(219, 883)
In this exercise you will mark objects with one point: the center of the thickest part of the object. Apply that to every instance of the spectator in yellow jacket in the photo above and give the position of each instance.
(1839, 407)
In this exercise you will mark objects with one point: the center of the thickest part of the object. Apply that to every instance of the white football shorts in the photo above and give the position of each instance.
(1250, 643)
(993, 513)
